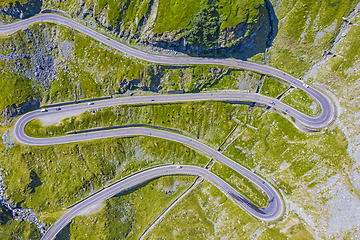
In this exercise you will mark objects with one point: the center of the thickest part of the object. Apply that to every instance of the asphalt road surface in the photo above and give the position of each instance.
(275, 207)
(272, 212)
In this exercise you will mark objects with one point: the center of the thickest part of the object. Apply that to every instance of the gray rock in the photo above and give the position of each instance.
(6, 139)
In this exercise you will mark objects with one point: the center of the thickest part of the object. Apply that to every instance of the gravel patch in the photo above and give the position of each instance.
(67, 49)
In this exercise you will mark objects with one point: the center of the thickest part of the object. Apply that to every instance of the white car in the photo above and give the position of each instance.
(90, 103)
(305, 85)
(178, 166)
(43, 110)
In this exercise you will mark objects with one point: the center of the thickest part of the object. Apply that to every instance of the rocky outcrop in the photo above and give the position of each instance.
(20, 11)
(242, 41)
(14, 110)
(6, 139)
(149, 80)
(18, 213)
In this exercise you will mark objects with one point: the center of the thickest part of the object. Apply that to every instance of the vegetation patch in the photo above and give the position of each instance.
(211, 128)
(47, 179)
(306, 30)
(205, 28)
(279, 150)
(301, 101)
(127, 215)
(231, 12)
(205, 213)
(241, 184)
(7, 3)
(272, 87)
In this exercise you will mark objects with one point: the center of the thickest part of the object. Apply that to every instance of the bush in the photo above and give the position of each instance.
(205, 28)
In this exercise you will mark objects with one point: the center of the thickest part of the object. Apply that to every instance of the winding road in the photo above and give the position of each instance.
(275, 208)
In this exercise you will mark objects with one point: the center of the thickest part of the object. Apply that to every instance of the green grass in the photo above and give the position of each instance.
(205, 213)
(211, 128)
(292, 228)
(95, 69)
(6, 3)
(234, 12)
(241, 184)
(301, 101)
(126, 215)
(64, 174)
(299, 43)
(272, 87)
(272, 234)
(14, 229)
(278, 143)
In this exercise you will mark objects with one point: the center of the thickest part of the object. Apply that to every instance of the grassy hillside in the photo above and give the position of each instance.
(306, 30)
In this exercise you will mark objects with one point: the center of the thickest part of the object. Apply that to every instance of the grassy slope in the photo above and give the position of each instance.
(272, 87)
(269, 147)
(211, 128)
(292, 228)
(13, 229)
(126, 216)
(299, 44)
(87, 165)
(15, 89)
(206, 213)
(298, 161)
(299, 100)
(241, 184)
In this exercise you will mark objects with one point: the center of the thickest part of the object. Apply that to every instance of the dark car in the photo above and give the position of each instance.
(58, 109)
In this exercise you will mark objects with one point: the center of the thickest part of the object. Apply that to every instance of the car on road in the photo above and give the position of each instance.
(272, 103)
(152, 100)
(43, 110)
(90, 103)
(57, 109)
(178, 166)
(305, 85)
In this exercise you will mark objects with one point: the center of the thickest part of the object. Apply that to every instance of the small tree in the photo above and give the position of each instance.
(205, 27)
